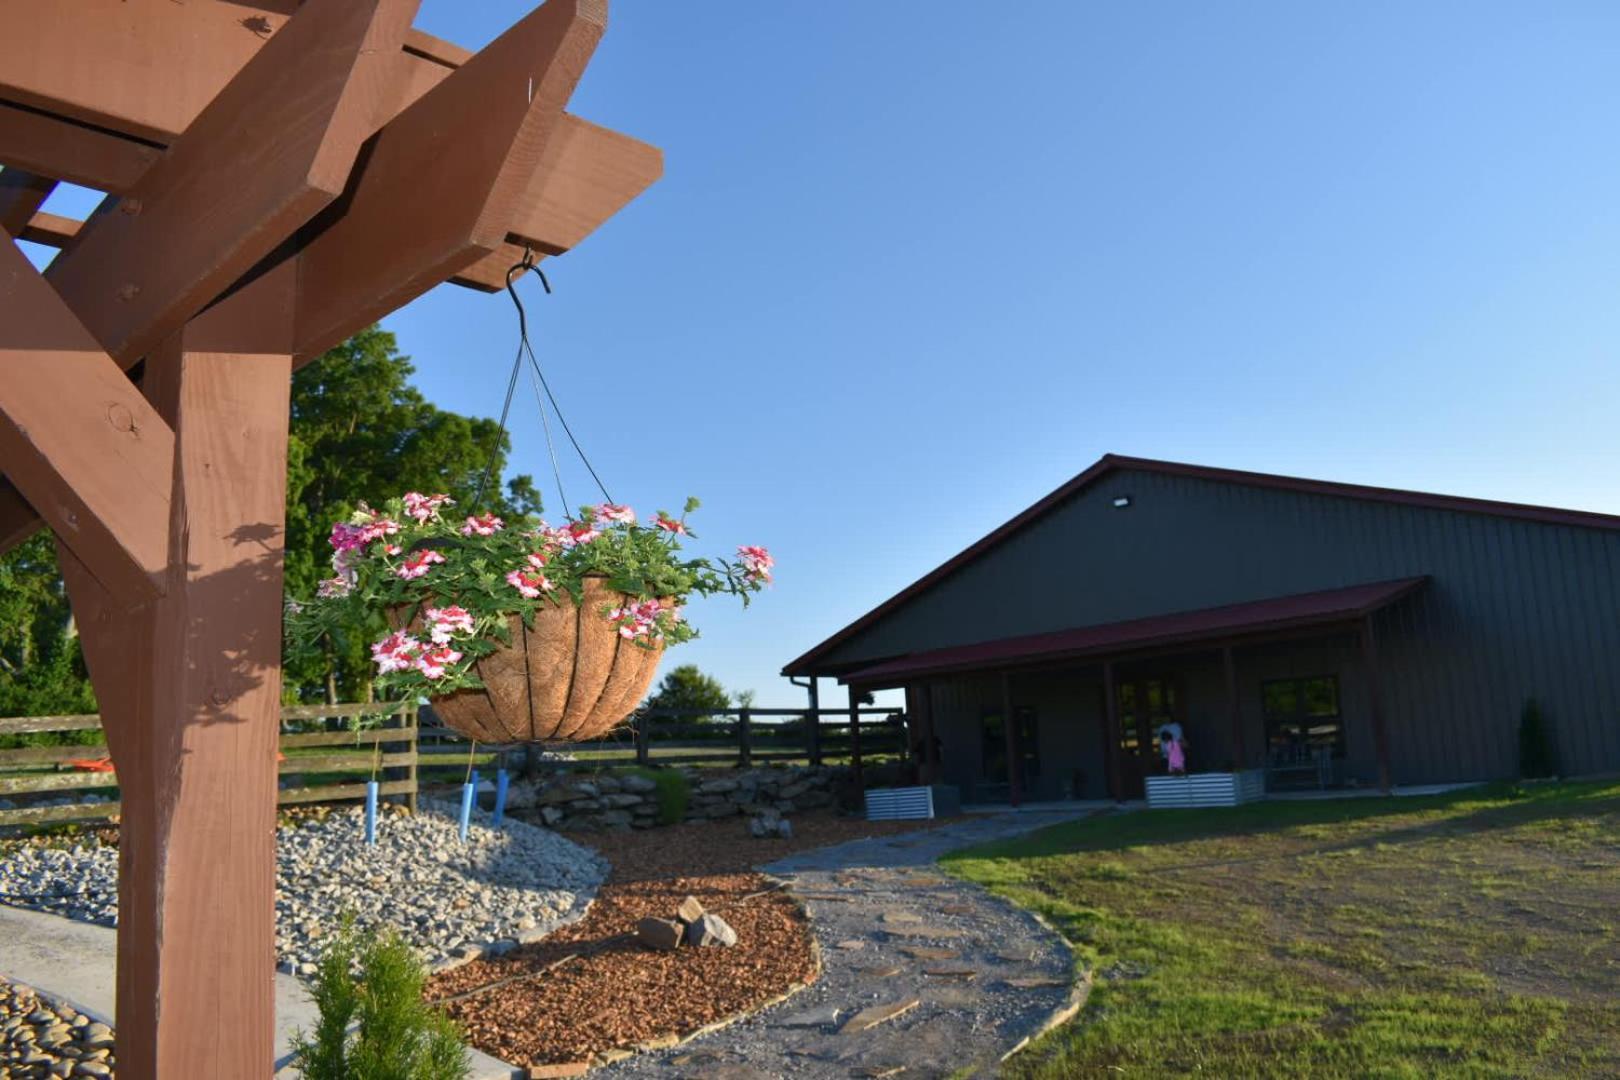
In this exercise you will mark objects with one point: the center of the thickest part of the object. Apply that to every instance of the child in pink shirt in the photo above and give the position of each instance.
(1176, 756)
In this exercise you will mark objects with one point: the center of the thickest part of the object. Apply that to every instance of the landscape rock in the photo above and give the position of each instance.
(711, 929)
(664, 934)
(689, 911)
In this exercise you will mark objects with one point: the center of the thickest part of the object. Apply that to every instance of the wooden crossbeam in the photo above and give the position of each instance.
(21, 195)
(52, 230)
(80, 443)
(80, 61)
(267, 153)
(70, 151)
(360, 264)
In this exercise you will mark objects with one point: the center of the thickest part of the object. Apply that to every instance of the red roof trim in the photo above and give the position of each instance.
(1179, 628)
(1110, 462)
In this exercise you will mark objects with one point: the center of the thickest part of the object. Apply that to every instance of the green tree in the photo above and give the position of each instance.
(362, 433)
(41, 668)
(686, 687)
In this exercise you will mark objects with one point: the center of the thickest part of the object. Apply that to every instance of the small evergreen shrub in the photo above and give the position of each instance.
(373, 982)
(673, 793)
(1536, 757)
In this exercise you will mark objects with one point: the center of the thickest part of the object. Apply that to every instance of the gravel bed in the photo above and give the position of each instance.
(450, 898)
(41, 1037)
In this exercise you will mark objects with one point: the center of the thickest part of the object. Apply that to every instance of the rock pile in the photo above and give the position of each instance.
(42, 1038)
(691, 925)
(587, 802)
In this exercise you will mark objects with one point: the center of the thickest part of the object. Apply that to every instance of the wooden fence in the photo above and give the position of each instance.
(334, 764)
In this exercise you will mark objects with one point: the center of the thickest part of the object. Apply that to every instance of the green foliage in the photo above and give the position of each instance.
(361, 433)
(686, 687)
(673, 793)
(397, 1035)
(1536, 756)
(41, 668)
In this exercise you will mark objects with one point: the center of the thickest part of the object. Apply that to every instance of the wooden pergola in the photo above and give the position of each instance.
(278, 176)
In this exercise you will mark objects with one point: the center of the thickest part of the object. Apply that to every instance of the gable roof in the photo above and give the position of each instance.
(1110, 463)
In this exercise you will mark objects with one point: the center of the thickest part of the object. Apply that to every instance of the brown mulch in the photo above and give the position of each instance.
(589, 987)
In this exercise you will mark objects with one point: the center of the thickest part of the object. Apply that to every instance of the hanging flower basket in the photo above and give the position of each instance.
(569, 676)
(521, 632)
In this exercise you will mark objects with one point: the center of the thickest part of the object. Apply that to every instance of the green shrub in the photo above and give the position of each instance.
(673, 793)
(1536, 757)
(373, 982)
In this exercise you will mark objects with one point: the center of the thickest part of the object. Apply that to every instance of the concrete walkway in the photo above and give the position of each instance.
(968, 975)
(77, 961)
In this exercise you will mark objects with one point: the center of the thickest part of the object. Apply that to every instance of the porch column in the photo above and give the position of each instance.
(813, 723)
(1009, 724)
(1116, 782)
(1234, 705)
(1375, 704)
(931, 746)
(855, 768)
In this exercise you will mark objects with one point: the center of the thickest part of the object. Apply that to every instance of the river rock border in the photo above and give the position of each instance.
(598, 801)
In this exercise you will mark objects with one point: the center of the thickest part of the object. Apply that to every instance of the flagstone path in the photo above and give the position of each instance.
(923, 975)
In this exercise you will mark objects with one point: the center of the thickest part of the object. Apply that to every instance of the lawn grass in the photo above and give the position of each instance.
(1471, 935)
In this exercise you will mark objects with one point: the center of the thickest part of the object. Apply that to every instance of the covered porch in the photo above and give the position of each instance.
(1283, 688)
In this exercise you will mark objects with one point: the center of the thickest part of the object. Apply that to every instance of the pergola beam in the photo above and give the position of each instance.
(80, 443)
(21, 195)
(76, 109)
(264, 156)
(361, 264)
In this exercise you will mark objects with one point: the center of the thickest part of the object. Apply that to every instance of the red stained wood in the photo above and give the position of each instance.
(51, 229)
(363, 265)
(52, 146)
(18, 521)
(21, 194)
(274, 147)
(189, 688)
(78, 439)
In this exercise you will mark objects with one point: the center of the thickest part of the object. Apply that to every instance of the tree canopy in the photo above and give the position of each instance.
(686, 687)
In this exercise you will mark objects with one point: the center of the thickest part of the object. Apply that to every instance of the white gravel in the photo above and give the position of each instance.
(448, 897)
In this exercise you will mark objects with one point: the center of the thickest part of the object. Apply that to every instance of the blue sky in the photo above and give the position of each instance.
(911, 266)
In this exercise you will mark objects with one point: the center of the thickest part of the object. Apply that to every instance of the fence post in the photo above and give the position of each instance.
(409, 719)
(643, 735)
(745, 738)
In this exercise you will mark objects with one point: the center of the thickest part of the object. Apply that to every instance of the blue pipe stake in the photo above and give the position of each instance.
(466, 808)
(501, 782)
(371, 811)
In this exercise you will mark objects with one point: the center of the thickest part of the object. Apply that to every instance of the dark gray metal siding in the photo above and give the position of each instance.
(1515, 608)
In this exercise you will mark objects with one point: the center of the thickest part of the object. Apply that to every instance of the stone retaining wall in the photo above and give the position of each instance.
(588, 802)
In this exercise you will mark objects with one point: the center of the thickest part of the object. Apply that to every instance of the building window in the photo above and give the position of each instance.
(1303, 713)
(995, 745)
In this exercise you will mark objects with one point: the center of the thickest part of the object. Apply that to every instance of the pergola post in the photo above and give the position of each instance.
(813, 722)
(855, 766)
(190, 687)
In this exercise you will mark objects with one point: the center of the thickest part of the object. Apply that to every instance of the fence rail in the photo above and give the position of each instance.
(340, 772)
(417, 754)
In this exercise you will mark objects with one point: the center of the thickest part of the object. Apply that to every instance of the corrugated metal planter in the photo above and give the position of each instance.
(1206, 789)
(900, 804)
(568, 676)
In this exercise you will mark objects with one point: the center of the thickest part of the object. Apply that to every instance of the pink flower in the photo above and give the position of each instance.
(757, 562)
(445, 623)
(538, 560)
(669, 524)
(417, 565)
(483, 525)
(615, 512)
(433, 662)
(346, 537)
(579, 532)
(377, 528)
(529, 585)
(334, 587)
(638, 620)
(396, 652)
(425, 507)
